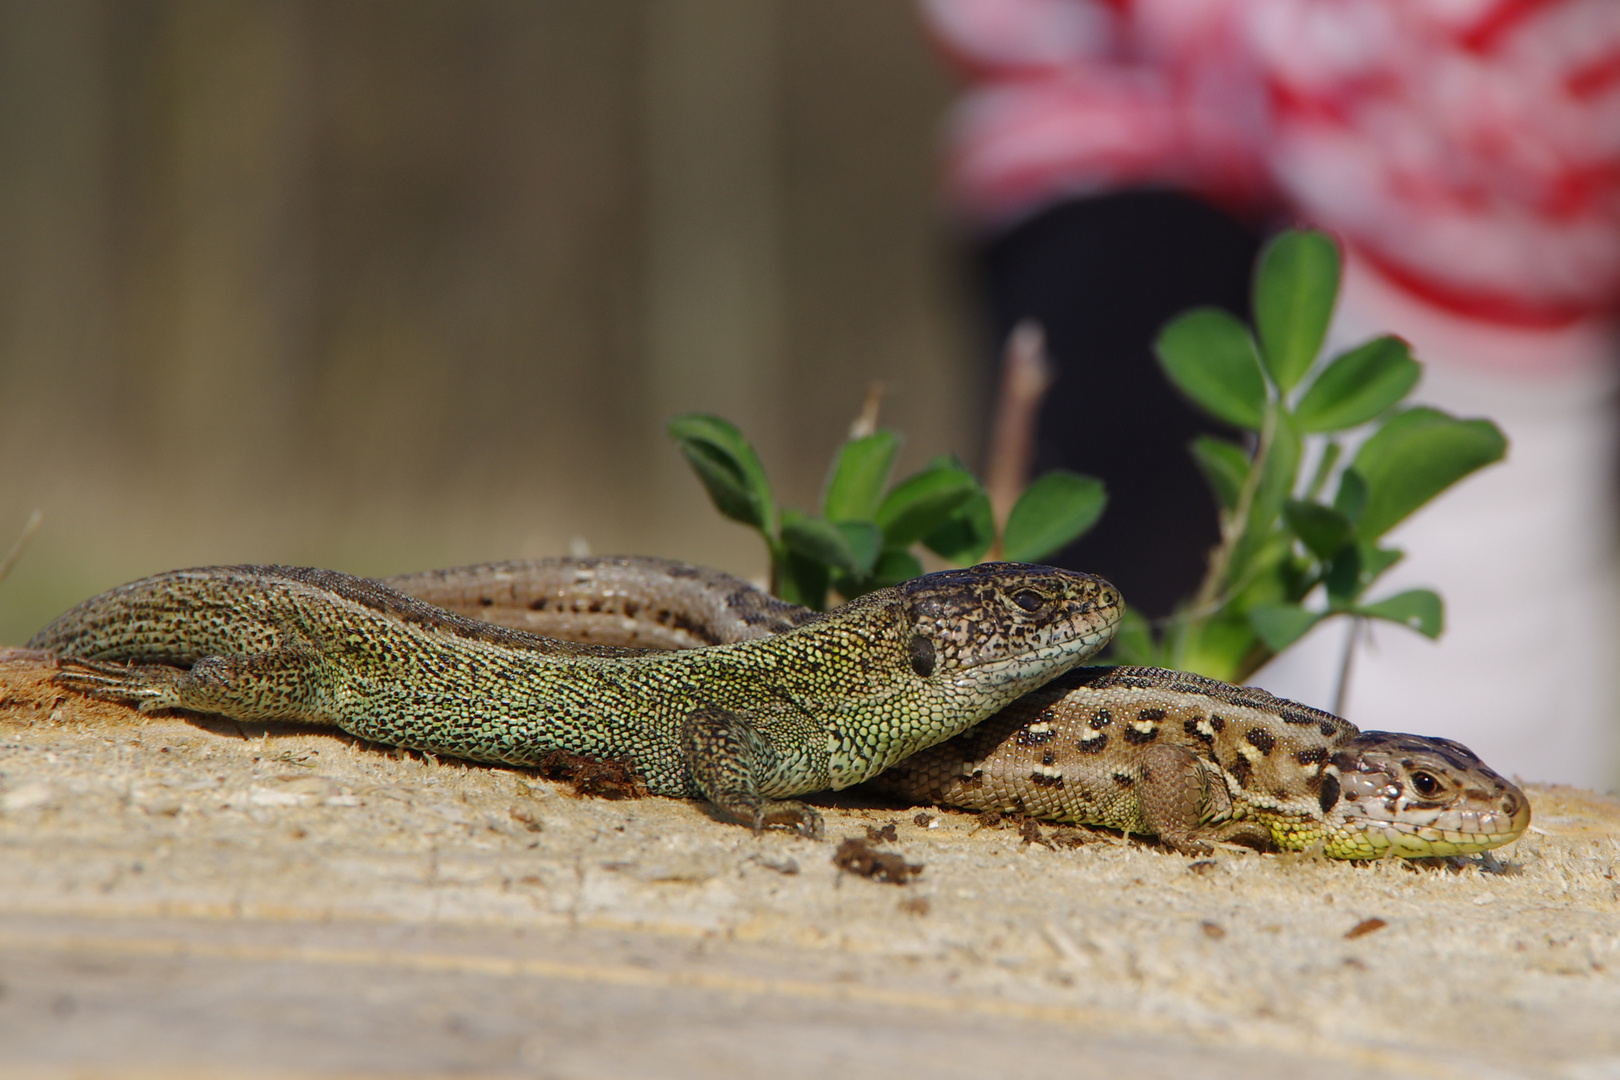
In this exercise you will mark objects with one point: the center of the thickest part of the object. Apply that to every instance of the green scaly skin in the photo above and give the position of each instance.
(747, 726)
(1152, 752)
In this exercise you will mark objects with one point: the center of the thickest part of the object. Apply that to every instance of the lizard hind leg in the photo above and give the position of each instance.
(147, 687)
(727, 758)
(1172, 789)
(276, 684)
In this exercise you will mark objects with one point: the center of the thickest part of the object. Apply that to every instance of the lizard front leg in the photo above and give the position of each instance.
(728, 757)
(1173, 788)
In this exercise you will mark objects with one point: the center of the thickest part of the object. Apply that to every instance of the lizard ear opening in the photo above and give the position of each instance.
(921, 650)
(1329, 797)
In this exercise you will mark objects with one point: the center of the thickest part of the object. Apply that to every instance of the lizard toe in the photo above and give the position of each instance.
(802, 819)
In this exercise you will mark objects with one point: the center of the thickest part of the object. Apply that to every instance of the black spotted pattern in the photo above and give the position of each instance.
(1026, 737)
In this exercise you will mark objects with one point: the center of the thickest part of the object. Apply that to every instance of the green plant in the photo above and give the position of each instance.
(1288, 557)
(866, 533)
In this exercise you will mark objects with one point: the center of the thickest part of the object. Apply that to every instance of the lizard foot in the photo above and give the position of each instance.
(728, 759)
(802, 819)
(147, 688)
(1186, 845)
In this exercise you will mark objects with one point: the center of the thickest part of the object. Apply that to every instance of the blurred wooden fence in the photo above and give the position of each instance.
(381, 285)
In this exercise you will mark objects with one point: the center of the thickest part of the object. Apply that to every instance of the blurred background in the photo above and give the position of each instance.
(387, 285)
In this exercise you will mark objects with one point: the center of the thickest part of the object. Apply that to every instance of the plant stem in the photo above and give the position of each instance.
(866, 423)
(22, 541)
(1235, 523)
(1209, 600)
(778, 552)
(1330, 457)
(1026, 375)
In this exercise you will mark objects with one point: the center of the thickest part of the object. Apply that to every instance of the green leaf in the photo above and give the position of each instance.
(1210, 357)
(1133, 642)
(1354, 568)
(1225, 465)
(1280, 625)
(1416, 609)
(966, 535)
(1054, 510)
(819, 540)
(855, 485)
(1294, 292)
(1216, 648)
(803, 581)
(865, 540)
(1415, 456)
(1352, 497)
(1323, 530)
(1358, 385)
(728, 467)
(917, 504)
(893, 567)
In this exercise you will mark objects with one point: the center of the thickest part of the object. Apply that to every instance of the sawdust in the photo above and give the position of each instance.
(181, 854)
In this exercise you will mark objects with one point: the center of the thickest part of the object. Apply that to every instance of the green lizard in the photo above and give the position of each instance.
(827, 704)
(1148, 751)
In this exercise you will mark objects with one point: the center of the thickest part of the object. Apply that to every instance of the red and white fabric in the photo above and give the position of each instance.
(1468, 148)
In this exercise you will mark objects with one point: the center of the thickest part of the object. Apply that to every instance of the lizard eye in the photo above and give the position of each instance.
(921, 653)
(1028, 599)
(1425, 784)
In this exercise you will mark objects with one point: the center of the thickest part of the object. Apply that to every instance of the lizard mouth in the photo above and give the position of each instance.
(1456, 831)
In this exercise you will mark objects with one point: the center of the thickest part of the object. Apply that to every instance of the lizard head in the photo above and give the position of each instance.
(1009, 623)
(965, 643)
(1416, 796)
